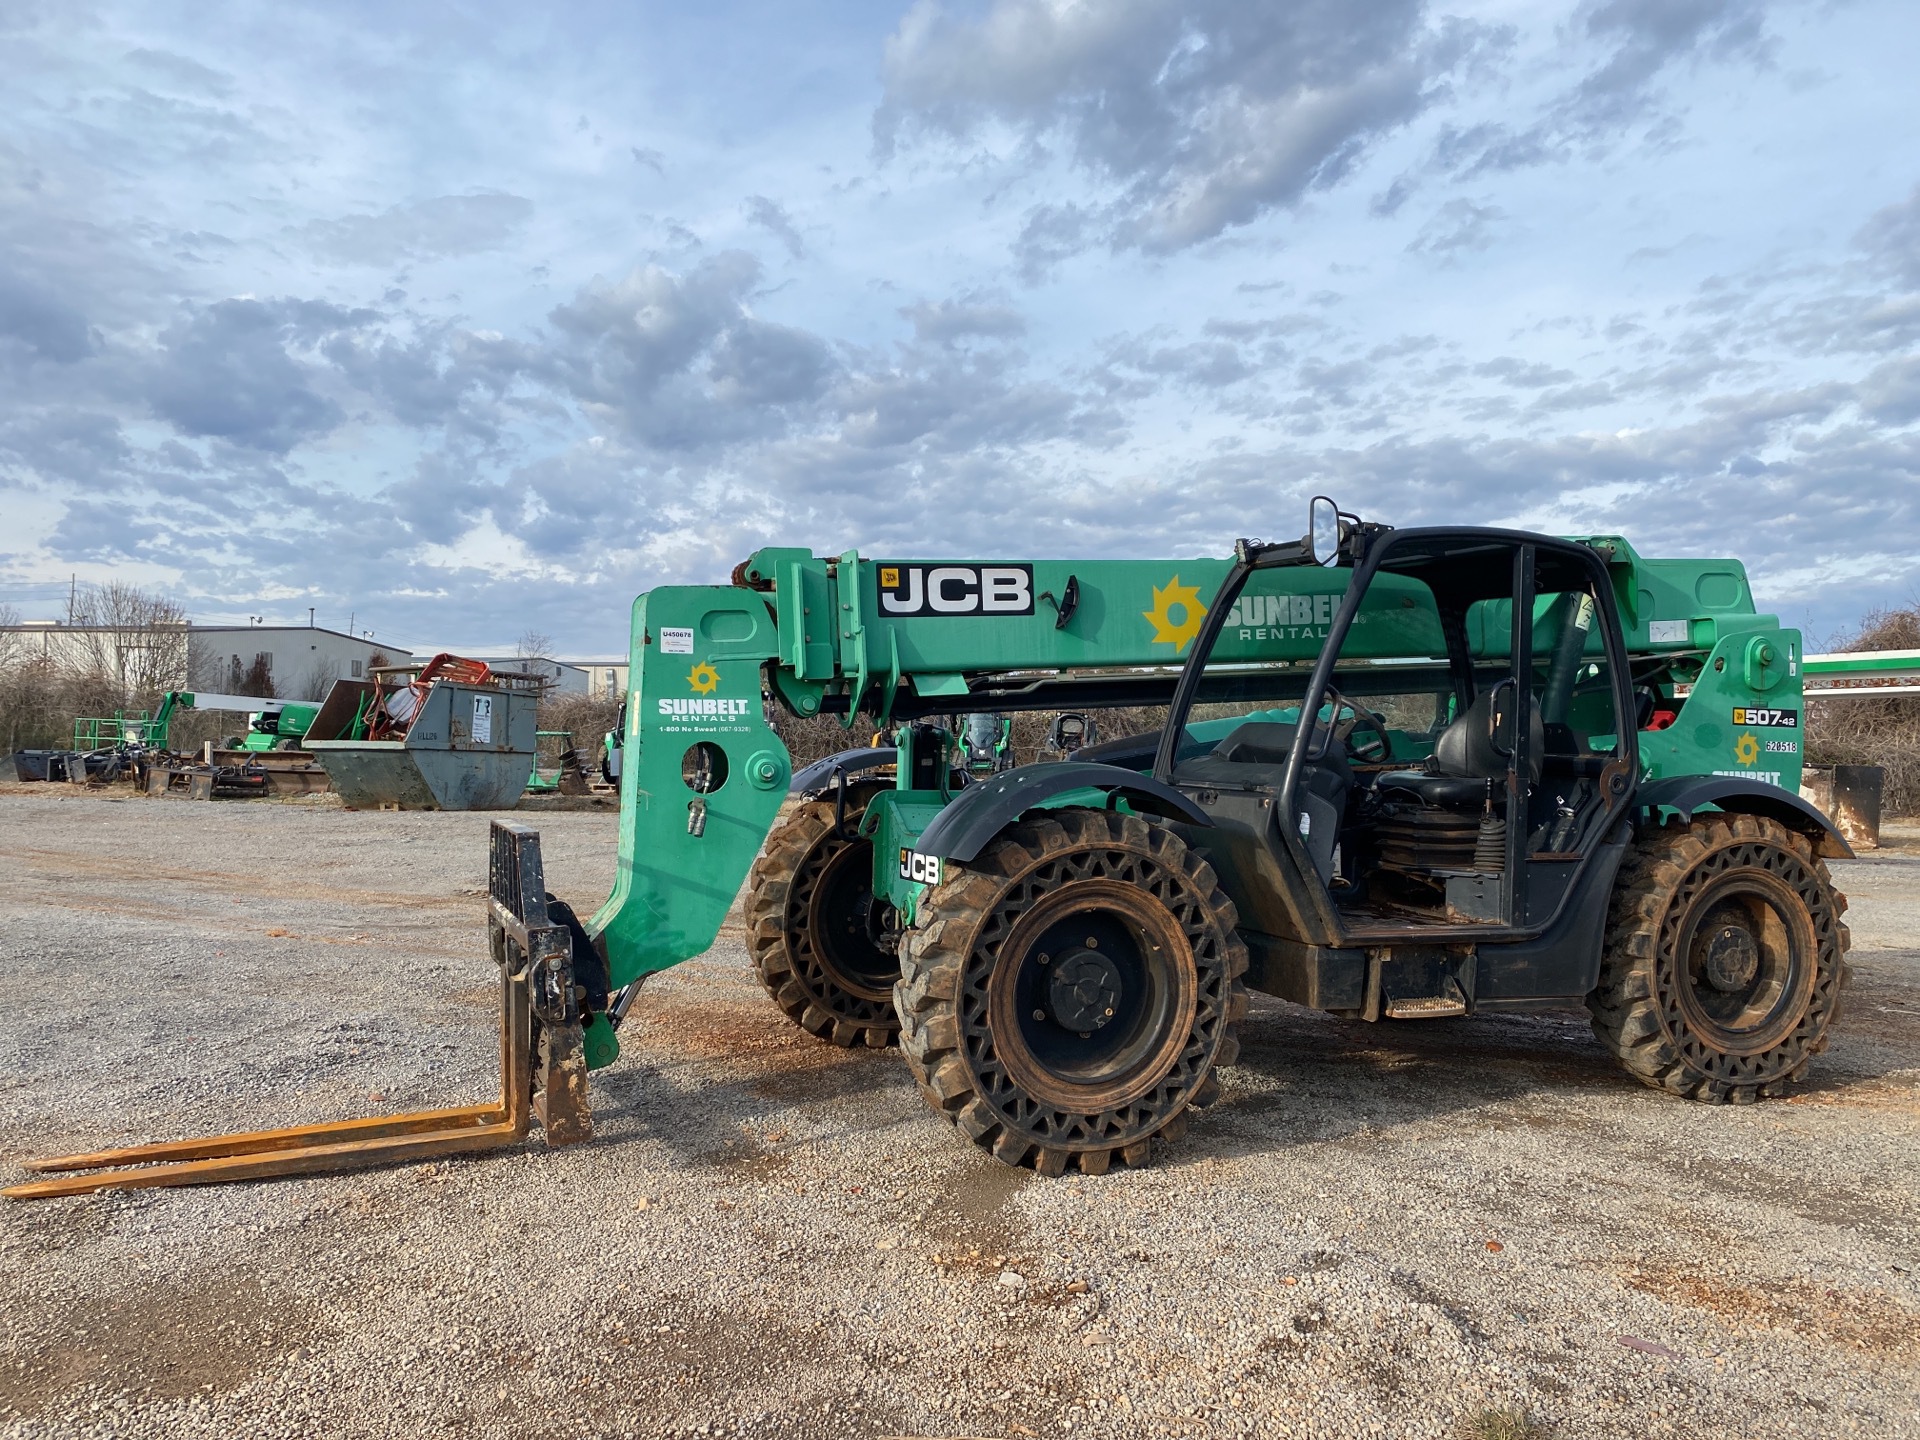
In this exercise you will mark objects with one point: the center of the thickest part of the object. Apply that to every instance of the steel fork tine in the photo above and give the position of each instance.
(296, 1137)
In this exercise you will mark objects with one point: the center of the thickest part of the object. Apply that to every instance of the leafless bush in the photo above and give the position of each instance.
(587, 717)
(1874, 732)
(39, 703)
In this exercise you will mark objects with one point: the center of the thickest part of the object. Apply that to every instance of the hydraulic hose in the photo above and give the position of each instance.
(1576, 624)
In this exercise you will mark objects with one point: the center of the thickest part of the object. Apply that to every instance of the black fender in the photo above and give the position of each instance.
(820, 774)
(986, 807)
(1687, 793)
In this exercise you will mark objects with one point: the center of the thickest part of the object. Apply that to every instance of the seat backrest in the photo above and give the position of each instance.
(1465, 748)
(1258, 742)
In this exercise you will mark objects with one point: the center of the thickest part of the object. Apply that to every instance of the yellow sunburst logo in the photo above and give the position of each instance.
(703, 678)
(1746, 750)
(1176, 614)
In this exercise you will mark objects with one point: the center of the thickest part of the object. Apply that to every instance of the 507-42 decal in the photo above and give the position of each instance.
(1761, 718)
(922, 869)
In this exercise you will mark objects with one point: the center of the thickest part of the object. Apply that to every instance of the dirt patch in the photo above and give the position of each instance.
(207, 1336)
(1859, 1319)
(1900, 1096)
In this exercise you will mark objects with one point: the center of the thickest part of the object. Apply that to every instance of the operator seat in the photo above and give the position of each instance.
(1464, 760)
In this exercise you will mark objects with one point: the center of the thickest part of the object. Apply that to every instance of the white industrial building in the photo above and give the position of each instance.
(301, 662)
(606, 675)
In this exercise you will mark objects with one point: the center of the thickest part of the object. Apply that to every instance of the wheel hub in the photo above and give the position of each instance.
(1732, 959)
(1085, 990)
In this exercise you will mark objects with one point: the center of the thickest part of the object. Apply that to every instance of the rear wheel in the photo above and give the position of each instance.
(1068, 994)
(1725, 959)
(810, 929)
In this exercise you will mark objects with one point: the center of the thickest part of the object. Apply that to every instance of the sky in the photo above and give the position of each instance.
(462, 320)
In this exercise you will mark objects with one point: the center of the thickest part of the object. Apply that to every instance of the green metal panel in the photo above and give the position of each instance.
(695, 664)
(1134, 613)
(896, 819)
(1744, 716)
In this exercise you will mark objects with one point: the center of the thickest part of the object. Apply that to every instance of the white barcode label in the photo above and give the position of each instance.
(675, 641)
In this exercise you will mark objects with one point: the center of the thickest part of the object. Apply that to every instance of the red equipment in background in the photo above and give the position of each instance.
(391, 715)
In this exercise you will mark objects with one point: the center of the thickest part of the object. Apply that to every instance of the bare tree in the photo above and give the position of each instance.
(135, 639)
(11, 647)
(318, 680)
(534, 646)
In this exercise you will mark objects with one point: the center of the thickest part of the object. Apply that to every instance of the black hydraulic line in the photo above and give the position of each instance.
(1575, 612)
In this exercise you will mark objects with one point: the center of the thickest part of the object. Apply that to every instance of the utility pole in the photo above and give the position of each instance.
(73, 594)
(310, 617)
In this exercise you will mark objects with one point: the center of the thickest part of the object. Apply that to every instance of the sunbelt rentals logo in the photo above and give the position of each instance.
(1176, 614)
(703, 680)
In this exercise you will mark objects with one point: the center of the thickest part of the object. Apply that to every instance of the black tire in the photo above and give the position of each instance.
(996, 978)
(1725, 959)
(806, 911)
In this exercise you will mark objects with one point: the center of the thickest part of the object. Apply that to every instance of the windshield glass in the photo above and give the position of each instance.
(1274, 630)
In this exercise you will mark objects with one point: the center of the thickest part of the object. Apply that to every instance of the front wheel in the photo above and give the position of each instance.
(1725, 959)
(1067, 995)
(811, 930)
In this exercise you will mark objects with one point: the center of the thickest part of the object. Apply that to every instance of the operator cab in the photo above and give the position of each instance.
(1420, 735)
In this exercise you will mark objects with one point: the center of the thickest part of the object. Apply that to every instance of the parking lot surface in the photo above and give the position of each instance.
(1451, 1228)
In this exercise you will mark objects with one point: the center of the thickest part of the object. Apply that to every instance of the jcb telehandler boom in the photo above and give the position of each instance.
(1402, 775)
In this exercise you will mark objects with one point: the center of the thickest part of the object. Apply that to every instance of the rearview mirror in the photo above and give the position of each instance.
(1324, 530)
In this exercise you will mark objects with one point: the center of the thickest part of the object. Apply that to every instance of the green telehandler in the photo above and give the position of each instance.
(1402, 775)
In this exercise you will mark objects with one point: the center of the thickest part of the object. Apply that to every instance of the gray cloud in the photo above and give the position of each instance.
(951, 321)
(1642, 44)
(1202, 117)
(1648, 36)
(35, 318)
(1458, 225)
(1892, 239)
(425, 229)
(676, 362)
(180, 72)
(773, 219)
(227, 370)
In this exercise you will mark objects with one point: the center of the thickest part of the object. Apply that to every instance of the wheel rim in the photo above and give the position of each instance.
(1092, 996)
(1739, 971)
(837, 904)
(1744, 956)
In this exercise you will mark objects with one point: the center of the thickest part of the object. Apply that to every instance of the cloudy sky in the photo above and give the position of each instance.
(463, 319)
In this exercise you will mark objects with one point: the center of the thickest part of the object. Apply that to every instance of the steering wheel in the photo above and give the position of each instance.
(1373, 748)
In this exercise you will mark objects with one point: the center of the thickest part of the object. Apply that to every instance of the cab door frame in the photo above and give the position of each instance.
(1304, 895)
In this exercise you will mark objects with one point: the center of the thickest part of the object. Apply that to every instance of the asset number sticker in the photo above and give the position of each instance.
(1760, 718)
(676, 640)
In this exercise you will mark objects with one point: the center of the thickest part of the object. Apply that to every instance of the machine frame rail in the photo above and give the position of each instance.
(536, 984)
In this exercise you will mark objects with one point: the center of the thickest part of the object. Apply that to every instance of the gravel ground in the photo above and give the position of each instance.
(1466, 1228)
